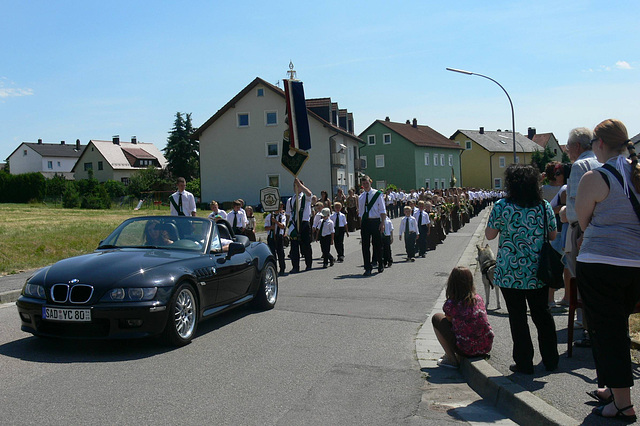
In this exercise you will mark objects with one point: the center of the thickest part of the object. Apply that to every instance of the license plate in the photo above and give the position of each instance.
(66, 314)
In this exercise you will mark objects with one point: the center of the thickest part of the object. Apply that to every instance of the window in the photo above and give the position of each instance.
(363, 161)
(450, 160)
(386, 138)
(442, 159)
(426, 158)
(435, 159)
(435, 184)
(501, 162)
(555, 151)
(271, 118)
(273, 180)
(371, 139)
(50, 165)
(58, 164)
(427, 183)
(260, 92)
(379, 161)
(24, 152)
(88, 166)
(100, 165)
(497, 183)
(443, 184)
(467, 145)
(125, 181)
(243, 119)
(380, 184)
(272, 149)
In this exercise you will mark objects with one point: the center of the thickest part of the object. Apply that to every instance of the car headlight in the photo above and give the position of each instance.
(130, 294)
(34, 290)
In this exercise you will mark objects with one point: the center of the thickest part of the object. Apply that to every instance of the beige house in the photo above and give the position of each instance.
(241, 147)
(544, 140)
(487, 154)
(47, 158)
(116, 160)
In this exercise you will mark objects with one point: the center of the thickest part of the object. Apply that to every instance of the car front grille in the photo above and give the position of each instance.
(77, 294)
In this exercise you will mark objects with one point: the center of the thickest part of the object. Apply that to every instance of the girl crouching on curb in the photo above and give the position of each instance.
(463, 329)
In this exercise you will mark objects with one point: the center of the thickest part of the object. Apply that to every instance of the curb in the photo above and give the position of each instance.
(511, 399)
(10, 296)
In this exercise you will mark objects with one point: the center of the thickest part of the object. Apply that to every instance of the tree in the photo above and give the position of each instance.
(541, 158)
(183, 152)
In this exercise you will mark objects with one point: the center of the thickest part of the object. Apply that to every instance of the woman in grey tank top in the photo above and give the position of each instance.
(608, 267)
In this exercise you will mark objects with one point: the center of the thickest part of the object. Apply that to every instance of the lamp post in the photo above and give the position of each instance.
(513, 116)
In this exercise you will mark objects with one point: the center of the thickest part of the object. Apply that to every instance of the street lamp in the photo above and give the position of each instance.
(513, 116)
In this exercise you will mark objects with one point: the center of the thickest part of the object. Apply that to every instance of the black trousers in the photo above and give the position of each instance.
(386, 250)
(277, 248)
(338, 240)
(325, 246)
(422, 239)
(410, 244)
(370, 235)
(302, 244)
(609, 295)
(517, 301)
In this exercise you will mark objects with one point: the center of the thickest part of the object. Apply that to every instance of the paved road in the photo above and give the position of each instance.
(337, 349)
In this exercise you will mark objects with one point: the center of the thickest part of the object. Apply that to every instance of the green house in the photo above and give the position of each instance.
(409, 156)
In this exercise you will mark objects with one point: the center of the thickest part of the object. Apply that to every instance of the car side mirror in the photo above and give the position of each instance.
(235, 248)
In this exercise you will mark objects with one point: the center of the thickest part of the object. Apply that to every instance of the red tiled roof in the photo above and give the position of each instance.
(420, 135)
(139, 153)
(542, 139)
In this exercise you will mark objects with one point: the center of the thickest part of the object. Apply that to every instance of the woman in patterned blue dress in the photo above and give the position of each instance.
(519, 221)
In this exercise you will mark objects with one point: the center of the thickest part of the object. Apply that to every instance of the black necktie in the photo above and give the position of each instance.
(180, 212)
(321, 225)
(406, 229)
(235, 221)
(420, 219)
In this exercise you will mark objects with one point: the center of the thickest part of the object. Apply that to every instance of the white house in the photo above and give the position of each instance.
(46, 158)
(116, 160)
(241, 147)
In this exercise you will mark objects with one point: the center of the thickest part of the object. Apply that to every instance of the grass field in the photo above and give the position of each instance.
(36, 235)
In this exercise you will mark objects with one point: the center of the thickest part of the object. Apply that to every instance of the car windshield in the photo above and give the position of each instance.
(161, 232)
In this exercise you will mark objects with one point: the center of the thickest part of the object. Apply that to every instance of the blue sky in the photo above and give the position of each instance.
(90, 70)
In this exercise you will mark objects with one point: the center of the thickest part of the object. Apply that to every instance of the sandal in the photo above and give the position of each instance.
(601, 400)
(630, 418)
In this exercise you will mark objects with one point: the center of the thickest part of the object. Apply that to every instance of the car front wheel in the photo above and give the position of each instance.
(268, 288)
(183, 316)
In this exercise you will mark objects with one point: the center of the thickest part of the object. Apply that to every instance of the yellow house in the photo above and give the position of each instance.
(487, 154)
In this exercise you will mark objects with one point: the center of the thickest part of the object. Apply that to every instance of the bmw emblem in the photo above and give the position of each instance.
(74, 281)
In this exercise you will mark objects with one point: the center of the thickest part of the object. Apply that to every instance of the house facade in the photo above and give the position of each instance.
(241, 147)
(487, 154)
(116, 160)
(409, 156)
(544, 140)
(47, 158)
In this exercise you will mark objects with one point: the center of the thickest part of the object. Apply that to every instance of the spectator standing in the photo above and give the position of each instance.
(608, 266)
(352, 211)
(518, 219)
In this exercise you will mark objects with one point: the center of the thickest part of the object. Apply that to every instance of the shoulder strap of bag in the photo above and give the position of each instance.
(632, 196)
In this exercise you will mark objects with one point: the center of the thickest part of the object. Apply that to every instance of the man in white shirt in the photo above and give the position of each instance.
(373, 214)
(299, 212)
(237, 218)
(182, 202)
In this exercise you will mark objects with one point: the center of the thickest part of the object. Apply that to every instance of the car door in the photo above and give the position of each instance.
(235, 274)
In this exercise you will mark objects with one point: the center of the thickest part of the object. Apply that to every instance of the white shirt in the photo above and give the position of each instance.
(241, 221)
(280, 218)
(327, 227)
(339, 219)
(413, 225)
(306, 214)
(425, 217)
(377, 209)
(188, 203)
(388, 227)
(220, 213)
(316, 221)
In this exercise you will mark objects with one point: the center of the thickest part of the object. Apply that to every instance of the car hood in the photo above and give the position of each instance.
(108, 267)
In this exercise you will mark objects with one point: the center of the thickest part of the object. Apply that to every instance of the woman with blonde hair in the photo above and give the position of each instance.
(608, 265)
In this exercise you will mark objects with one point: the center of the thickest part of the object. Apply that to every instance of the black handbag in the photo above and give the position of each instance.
(550, 267)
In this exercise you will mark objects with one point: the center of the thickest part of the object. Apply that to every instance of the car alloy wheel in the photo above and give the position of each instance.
(183, 316)
(267, 293)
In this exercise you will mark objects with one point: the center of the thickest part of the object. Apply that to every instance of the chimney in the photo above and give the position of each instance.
(531, 132)
(77, 144)
(61, 142)
(482, 130)
(134, 139)
(39, 141)
(387, 118)
(116, 140)
(415, 123)
(408, 122)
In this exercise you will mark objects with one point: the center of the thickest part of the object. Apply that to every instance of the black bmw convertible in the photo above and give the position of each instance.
(153, 275)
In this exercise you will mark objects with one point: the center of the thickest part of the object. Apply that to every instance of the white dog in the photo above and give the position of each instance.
(487, 261)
